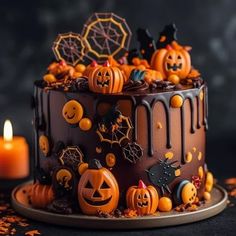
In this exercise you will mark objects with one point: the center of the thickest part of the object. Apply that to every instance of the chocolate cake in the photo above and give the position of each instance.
(120, 132)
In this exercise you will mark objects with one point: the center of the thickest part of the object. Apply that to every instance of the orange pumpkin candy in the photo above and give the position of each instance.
(41, 195)
(144, 199)
(172, 60)
(105, 79)
(97, 190)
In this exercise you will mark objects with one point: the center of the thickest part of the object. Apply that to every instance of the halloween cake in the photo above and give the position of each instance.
(120, 132)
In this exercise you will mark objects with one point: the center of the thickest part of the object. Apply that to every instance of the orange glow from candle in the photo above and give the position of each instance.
(14, 154)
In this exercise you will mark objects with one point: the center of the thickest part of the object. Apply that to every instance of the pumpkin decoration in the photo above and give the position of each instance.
(97, 190)
(41, 195)
(174, 59)
(152, 75)
(144, 199)
(105, 79)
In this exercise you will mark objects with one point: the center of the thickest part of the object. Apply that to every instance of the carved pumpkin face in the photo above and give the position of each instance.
(98, 190)
(143, 199)
(172, 60)
(105, 79)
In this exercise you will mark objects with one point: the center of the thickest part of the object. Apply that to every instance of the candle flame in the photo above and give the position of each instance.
(7, 131)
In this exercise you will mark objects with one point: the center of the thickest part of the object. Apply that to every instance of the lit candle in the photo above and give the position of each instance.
(14, 154)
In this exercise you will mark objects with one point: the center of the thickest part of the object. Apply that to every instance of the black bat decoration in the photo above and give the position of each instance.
(147, 43)
(167, 36)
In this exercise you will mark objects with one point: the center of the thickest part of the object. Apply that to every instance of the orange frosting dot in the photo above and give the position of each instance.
(176, 101)
(189, 157)
(85, 124)
(169, 155)
(110, 159)
(165, 204)
(80, 68)
(174, 79)
(200, 172)
(49, 78)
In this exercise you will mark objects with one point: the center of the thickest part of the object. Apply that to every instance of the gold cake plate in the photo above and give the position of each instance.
(211, 208)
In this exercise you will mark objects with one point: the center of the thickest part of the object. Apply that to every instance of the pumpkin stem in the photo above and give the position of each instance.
(141, 184)
(168, 47)
(94, 63)
(95, 164)
(62, 63)
(106, 64)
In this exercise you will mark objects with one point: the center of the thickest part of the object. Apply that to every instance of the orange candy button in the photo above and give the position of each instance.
(85, 124)
(188, 193)
(80, 68)
(165, 204)
(176, 101)
(49, 78)
(72, 112)
(174, 79)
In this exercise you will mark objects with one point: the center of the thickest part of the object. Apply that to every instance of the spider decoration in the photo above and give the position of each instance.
(132, 152)
(69, 47)
(114, 127)
(162, 174)
(71, 156)
(106, 34)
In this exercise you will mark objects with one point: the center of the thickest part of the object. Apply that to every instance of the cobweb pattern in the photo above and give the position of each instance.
(132, 152)
(71, 156)
(118, 135)
(69, 47)
(106, 34)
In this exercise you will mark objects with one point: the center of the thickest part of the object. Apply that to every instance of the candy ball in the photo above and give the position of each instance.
(165, 204)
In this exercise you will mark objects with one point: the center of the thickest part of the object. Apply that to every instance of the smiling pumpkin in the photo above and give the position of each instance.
(97, 190)
(72, 112)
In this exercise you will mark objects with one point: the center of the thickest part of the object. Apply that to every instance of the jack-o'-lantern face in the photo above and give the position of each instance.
(172, 60)
(105, 79)
(144, 199)
(98, 190)
(72, 112)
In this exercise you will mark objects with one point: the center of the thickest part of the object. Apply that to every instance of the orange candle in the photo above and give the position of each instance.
(14, 155)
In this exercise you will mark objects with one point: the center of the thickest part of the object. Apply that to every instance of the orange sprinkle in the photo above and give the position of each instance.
(32, 232)
(231, 181)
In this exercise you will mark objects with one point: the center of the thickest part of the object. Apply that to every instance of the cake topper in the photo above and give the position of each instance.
(132, 152)
(113, 127)
(69, 47)
(147, 43)
(106, 34)
(167, 36)
(71, 156)
(162, 174)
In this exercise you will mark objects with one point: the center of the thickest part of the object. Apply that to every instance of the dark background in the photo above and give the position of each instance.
(28, 29)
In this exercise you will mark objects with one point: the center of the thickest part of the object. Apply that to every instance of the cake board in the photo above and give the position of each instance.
(211, 208)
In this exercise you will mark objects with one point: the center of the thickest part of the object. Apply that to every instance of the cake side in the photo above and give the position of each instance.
(122, 134)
